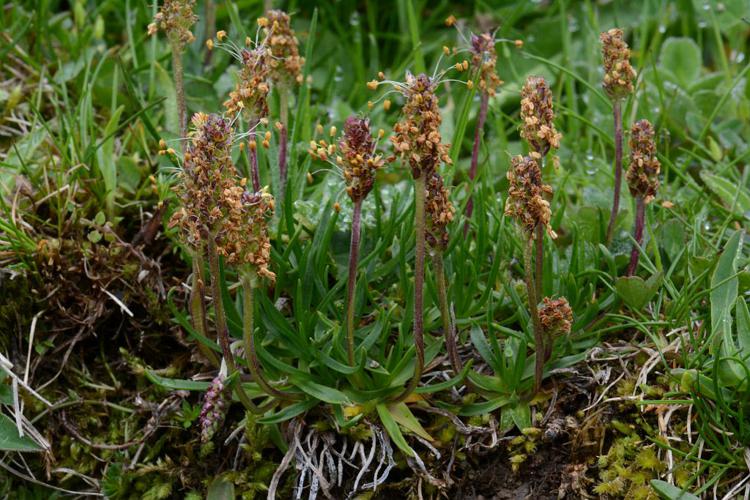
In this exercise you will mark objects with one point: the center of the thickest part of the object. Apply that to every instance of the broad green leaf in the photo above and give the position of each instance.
(520, 413)
(391, 427)
(318, 391)
(635, 291)
(724, 285)
(681, 57)
(670, 492)
(175, 384)
(10, 440)
(485, 407)
(743, 327)
(167, 90)
(106, 154)
(288, 412)
(484, 349)
(220, 489)
(727, 191)
(405, 418)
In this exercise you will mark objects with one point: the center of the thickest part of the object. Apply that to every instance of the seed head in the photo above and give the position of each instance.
(284, 60)
(439, 210)
(618, 73)
(643, 172)
(175, 18)
(484, 60)
(417, 136)
(538, 116)
(251, 91)
(526, 194)
(556, 316)
(246, 241)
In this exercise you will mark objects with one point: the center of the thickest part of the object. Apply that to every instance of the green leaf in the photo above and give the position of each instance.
(682, 58)
(635, 291)
(520, 413)
(166, 89)
(391, 427)
(670, 492)
(727, 191)
(10, 440)
(405, 418)
(288, 412)
(724, 291)
(484, 407)
(318, 391)
(175, 384)
(220, 489)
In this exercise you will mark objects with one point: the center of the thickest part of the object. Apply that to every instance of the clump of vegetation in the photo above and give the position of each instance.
(197, 310)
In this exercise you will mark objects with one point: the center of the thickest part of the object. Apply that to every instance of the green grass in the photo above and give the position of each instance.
(86, 95)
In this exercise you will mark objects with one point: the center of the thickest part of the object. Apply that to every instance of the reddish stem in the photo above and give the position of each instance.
(483, 106)
(352, 283)
(640, 213)
(617, 115)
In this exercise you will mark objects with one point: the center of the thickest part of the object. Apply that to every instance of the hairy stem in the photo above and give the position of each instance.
(253, 154)
(179, 86)
(248, 338)
(284, 119)
(640, 213)
(449, 329)
(539, 260)
(419, 225)
(483, 105)
(539, 340)
(617, 116)
(198, 305)
(352, 282)
(221, 326)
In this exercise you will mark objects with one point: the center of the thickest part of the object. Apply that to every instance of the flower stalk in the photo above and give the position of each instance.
(618, 84)
(484, 62)
(351, 283)
(176, 18)
(418, 142)
(643, 181)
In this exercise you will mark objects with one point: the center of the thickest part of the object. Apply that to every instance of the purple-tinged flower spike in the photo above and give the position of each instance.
(643, 181)
(538, 115)
(618, 73)
(527, 195)
(213, 410)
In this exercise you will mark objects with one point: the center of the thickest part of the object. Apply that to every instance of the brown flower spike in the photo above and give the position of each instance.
(556, 317)
(526, 194)
(618, 73)
(284, 60)
(175, 18)
(538, 116)
(484, 60)
(417, 136)
(439, 211)
(357, 158)
(214, 204)
(643, 172)
(251, 91)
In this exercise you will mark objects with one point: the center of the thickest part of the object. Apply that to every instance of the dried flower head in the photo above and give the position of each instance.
(526, 194)
(556, 316)
(538, 116)
(618, 73)
(284, 60)
(439, 210)
(214, 203)
(251, 91)
(175, 18)
(417, 136)
(484, 60)
(643, 172)
(213, 409)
